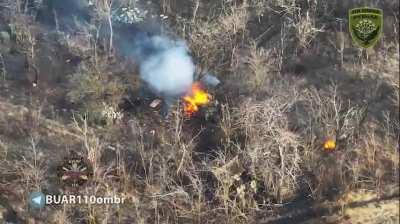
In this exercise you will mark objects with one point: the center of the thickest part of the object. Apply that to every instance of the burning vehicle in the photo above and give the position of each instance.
(167, 72)
(196, 96)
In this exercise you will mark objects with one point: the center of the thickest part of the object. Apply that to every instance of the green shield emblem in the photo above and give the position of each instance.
(365, 26)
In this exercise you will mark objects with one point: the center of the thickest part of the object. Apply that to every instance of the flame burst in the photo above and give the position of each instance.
(195, 98)
(329, 145)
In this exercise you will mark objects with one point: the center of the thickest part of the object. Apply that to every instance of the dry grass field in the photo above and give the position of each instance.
(292, 81)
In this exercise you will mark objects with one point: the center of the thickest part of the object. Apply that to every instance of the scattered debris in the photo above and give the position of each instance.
(210, 81)
(155, 103)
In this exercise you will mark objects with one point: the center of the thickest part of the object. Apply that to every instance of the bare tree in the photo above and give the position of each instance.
(195, 9)
(104, 10)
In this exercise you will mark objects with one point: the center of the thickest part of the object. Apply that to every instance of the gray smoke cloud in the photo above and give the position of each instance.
(165, 65)
(166, 69)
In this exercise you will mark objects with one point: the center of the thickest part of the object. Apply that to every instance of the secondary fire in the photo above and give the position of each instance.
(195, 98)
(329, 145)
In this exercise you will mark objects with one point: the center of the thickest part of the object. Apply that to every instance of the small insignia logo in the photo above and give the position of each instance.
(365, 25)
(75, 171)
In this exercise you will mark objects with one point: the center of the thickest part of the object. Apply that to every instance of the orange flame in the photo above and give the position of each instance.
(196, 97)
(330, 145)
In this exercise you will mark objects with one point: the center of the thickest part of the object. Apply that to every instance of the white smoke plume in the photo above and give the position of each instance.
(165, 65)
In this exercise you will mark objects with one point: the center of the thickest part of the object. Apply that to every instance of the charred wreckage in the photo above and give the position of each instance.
(168, 75)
